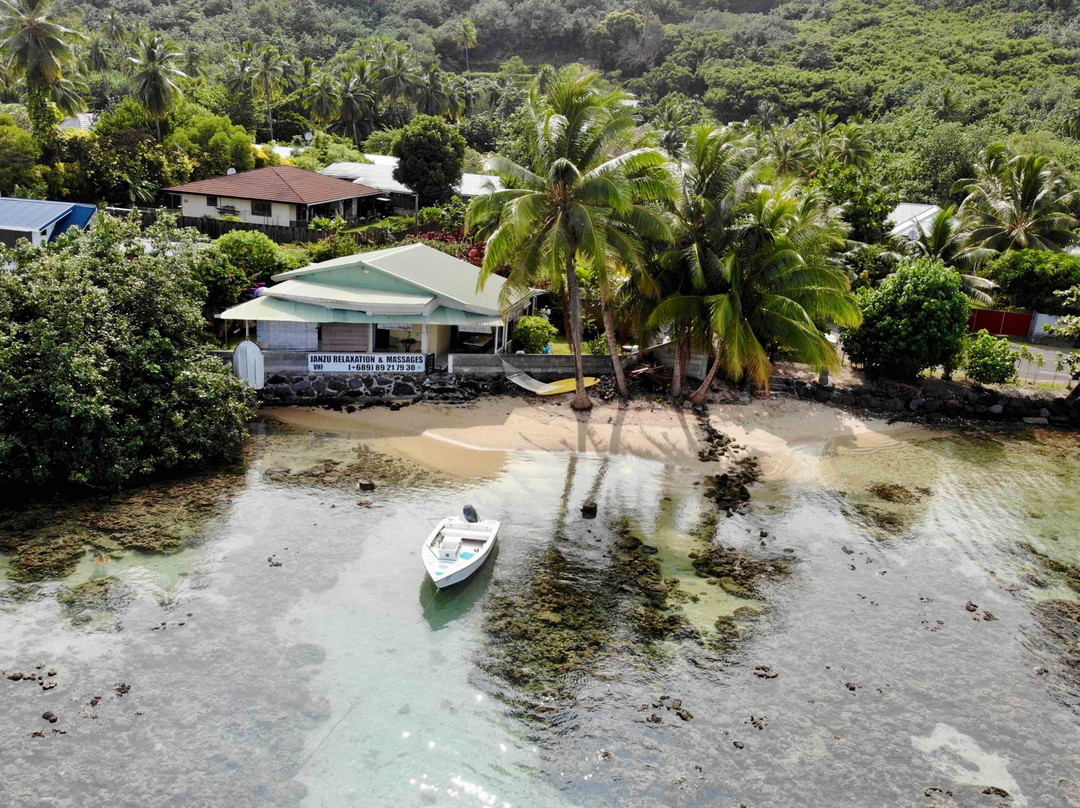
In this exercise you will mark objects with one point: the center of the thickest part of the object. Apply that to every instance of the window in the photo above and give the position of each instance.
(211, 201)
(260, 208)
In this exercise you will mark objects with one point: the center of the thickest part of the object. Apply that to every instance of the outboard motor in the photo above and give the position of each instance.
(470, 514)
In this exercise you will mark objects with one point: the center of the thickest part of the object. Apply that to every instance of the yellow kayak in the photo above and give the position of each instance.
(565, 386)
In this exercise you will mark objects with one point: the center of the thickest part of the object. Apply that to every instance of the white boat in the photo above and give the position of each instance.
(458, 547)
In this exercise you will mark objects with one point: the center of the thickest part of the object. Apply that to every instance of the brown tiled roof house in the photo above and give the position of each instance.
(278, 195)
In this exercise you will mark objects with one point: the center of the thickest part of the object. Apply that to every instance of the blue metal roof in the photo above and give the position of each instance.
(37, 214)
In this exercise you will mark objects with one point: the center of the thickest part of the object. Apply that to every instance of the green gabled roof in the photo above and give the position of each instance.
(452, 280)
(301, 290)
(290, 311)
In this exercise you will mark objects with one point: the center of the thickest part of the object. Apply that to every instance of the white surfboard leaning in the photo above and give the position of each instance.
(458, 547)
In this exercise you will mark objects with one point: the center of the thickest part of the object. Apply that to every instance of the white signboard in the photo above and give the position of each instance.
(365, 363)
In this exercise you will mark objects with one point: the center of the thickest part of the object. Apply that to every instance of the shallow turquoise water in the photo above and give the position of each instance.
(342, 678)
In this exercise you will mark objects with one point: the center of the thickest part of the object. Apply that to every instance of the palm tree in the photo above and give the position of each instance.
(357, 107)
(949, 239)
(397, 76)
(720, 167)
(38, 49)
(574, 206)
(237, 74)
(849, 145)
(465, 38)
(789, 151)
(194, 61)
(431, 96)
(155, 78)
(267, 78)
(115, 29)
(1018, 202)
(778, 283)
(323, 99)
(671, 121)
(98, 53)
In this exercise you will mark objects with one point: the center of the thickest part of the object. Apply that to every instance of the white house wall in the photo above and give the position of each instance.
(283, 214)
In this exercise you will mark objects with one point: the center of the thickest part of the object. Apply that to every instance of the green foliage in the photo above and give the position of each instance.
(430, 153)
(325, 149)
(381, 141)
(449, 216)
(18, 155)
(598, 345)
(917, 319)
(867, 203)
(254, 253)
(989, 359)
(224, 282)
(212, 143)
(1031, 279)
(532, 334)
(104, 376)
(870, 265)
(333, 246)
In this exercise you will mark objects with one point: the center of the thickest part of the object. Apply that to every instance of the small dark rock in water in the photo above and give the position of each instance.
(605, 754)
(851, 686)
(273, 562)
(764, 534)
(685, 715)
(94, 702)
(52, 671)
(738, 744)
(50, 717)
(15, 676)
(48, 685)
(365, 485)
(37, 734)
(894, 492)
(675, 704)
(995, 791)
(654, 719)
(588, 510)
(971, 607)
(1041, 671)
(988, 616)
(122, 688)
(759, 721)
(350, 409)
(765, 672)
(60, 731)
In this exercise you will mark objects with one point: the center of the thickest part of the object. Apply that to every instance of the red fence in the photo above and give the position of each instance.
(1008, 323)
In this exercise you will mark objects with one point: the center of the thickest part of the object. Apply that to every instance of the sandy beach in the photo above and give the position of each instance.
(471, 440)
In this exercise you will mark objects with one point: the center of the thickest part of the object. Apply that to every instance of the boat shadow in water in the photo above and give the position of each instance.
(443, 606)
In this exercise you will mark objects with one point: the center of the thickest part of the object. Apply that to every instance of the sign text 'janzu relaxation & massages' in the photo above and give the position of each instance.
(365, 363)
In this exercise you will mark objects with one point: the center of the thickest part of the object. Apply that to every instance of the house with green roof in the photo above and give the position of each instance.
(400, 309)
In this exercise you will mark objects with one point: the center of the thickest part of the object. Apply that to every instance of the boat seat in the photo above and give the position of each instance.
(471, 535)
(448, 549)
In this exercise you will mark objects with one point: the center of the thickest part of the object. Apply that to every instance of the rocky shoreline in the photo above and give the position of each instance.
(935, 399)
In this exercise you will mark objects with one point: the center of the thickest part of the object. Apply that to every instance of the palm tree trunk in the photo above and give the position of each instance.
(157, 123)
(613, 346)
(699, 395)
(467, 70)
(677, 371)
(581, 398)
(682, 363)
(270, 118)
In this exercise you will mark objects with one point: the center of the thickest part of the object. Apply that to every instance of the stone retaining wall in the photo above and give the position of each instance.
(328, 388)
(311, 388)
(939, 398)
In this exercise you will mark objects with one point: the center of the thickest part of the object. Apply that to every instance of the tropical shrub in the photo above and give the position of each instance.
(989, 359)
(1030, 279)
(917, 319)
(430, 153)
(333, 246)
(533, 334)
(18, 154)
(104, 374)
(253, 252)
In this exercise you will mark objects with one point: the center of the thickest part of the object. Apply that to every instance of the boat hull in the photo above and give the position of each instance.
(445, 574)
